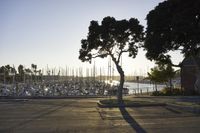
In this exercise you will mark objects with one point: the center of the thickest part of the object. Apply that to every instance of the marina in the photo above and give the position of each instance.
(73, 88)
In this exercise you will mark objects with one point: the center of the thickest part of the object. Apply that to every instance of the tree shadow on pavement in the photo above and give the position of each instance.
(132, 122)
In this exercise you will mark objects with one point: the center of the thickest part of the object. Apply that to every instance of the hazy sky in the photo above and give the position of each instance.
(49, 31)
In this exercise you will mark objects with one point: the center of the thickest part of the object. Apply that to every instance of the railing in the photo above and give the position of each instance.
(142, 91)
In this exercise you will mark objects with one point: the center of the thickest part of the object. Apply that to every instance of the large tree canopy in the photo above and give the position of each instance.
(112, 38)
(173, 25)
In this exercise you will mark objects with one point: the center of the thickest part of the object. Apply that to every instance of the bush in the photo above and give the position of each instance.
(167, 92)
(157, 93)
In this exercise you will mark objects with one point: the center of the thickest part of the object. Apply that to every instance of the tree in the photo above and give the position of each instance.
(21, 72)
(28, 72)
(34, 68)
(169, 72)
(112, 38)
(155, 76)
(13, 70)
(4, 71)
(162, 73)
(173, 25)
(40, 74)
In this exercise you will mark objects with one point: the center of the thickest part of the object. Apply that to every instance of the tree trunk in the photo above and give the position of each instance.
(170, 82)
(156, 86)
(120, 88)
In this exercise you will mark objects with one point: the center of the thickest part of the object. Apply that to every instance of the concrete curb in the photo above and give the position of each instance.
(195, 110)
(130, 105)
(47, 97)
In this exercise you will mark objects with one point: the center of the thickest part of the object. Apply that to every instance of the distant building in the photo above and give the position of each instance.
(190, 75)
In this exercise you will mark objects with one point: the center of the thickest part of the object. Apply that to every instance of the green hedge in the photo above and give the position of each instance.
(167, 92)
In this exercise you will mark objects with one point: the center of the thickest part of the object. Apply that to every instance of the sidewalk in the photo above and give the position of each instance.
(184, 103)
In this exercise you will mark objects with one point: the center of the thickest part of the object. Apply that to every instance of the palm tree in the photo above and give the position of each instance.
(28, 72)
(21, 72)
(34, 68)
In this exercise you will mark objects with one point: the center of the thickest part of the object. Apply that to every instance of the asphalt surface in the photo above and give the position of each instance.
(82, 115)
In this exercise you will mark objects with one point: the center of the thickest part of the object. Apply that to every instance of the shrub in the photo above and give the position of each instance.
(167, 92)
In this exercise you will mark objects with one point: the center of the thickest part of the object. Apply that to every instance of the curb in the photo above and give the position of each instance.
(195, 110)
(47, 97)
(131, 105)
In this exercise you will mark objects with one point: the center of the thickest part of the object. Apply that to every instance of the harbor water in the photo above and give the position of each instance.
(140, 87)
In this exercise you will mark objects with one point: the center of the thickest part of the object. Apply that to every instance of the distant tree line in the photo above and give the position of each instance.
(9, 74)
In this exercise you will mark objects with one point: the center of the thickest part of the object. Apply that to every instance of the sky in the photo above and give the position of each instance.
(48, 32)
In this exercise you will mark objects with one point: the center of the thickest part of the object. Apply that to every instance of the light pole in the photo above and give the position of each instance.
(137, 78)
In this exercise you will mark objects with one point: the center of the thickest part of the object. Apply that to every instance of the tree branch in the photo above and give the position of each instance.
(174, 65)
(122, 51)
(112, 56)
(99, 55)
(180, 49)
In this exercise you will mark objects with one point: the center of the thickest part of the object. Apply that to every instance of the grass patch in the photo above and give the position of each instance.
(127, 103)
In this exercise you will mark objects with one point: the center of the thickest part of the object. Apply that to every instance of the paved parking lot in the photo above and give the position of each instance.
(83, 115)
